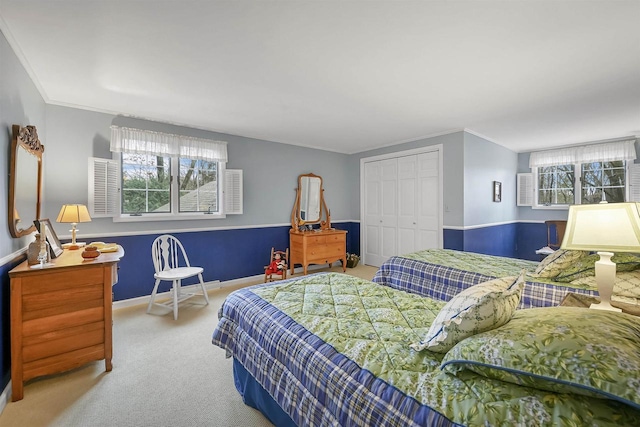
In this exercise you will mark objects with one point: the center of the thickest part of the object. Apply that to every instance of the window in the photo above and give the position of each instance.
(198, 182)
(581, 183)
(146, 184)
(582, 175)
(169, 176)
(555, 185)
(598, 178)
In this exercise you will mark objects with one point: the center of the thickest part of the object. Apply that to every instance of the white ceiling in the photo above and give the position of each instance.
(345, 76)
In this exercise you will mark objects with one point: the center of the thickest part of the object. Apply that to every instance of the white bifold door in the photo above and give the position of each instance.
(401, 205)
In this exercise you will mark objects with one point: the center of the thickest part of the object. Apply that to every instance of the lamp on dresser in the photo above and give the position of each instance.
(73, 214)
(606, 228)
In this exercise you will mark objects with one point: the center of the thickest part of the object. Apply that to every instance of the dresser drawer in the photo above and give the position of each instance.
(315, 240)
(332, 250)
(336, 238)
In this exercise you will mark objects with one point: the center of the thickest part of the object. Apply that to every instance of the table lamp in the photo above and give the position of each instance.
(73, 214)
(605, 228)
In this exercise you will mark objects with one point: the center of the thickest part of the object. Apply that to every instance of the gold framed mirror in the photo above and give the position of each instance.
(310, 207)
(25, 180)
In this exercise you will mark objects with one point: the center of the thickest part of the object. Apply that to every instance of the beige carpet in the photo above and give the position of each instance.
(165, 373)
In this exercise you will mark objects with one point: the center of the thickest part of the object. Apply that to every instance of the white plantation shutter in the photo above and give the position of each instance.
(233, 191)
(103, 187)
(634, 182)
(524, 189)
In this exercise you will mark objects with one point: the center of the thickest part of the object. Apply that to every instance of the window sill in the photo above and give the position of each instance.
(162, 217)
(551, 208)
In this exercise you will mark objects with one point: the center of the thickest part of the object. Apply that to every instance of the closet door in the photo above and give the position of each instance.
(401, 205)
(418, 195)
(428, 232)
(381, 218)
(408, 200)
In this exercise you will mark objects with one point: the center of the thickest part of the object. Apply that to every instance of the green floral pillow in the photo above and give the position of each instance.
(476, 309)
(557, 262)
(585, 266)
(559, 349)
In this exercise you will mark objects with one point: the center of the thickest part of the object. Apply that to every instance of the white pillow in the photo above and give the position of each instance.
(479, 308)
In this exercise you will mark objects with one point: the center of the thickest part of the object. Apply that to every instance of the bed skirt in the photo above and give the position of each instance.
(254, 395)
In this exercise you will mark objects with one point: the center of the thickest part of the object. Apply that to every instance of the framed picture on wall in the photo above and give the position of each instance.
(55, 248)
(497, 191)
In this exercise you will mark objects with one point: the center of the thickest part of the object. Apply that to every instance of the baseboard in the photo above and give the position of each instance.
(216, 284)
(5, 397)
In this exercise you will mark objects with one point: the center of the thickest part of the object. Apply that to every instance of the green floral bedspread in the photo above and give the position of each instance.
(490, 265)
(373, 325)
(477, 263)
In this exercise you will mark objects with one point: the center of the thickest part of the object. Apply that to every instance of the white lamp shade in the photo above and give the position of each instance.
(74, 213)
(610, 227)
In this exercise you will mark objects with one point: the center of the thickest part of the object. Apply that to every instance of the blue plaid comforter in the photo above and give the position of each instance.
(314, 383)
(444, 282)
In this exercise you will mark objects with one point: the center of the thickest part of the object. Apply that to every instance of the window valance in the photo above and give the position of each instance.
(605, 152)
(137, 141)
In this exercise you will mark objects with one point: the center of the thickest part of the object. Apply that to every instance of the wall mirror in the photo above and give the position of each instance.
(310, 207)
(25, 180)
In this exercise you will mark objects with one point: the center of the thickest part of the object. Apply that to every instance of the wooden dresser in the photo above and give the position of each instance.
(61, 315)
(317, 247)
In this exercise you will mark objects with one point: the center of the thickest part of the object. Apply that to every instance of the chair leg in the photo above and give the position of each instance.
(153, 295)
(204, 291)
(176, 291)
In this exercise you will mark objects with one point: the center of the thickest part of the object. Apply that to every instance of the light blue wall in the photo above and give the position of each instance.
(21, 104)
(270, 172)
(485, 162)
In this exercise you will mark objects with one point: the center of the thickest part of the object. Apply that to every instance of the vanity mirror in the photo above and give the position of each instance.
(25, 180)
(310, 207)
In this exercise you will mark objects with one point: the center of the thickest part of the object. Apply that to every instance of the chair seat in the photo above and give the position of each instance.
(178, 273)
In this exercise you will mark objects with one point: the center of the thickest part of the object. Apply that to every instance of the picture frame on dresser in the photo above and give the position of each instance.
(55, 247)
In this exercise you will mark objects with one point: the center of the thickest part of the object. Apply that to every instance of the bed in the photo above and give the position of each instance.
(443, 273)
(330, 349)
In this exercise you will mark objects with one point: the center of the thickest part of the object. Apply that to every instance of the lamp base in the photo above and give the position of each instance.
(605, 306)
(605, 279)
(73, 246)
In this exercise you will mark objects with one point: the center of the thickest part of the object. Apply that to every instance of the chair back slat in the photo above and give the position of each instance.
(166, 252)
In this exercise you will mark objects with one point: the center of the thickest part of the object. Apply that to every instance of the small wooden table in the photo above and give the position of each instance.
(573, 299)
(61, 315)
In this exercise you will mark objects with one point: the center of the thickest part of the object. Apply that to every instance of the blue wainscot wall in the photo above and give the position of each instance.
(224, 254)
(5, 319)
(513, 240)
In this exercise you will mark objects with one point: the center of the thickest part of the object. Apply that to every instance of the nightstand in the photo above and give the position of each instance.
(573, 299)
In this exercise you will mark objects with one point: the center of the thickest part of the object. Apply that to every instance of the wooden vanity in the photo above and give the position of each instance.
(317, 247)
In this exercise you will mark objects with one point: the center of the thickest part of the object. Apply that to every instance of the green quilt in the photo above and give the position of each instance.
(489, 265)
(373, 325)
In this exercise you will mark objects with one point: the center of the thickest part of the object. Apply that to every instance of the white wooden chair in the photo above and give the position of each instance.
(167, 251)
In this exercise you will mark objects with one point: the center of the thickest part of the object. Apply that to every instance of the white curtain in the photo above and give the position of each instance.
(605, 152)
(137, 141)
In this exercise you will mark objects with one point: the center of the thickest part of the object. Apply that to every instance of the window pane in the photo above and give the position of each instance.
(198, 182)
(555, 185)
(603, 177)
(146, 182)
